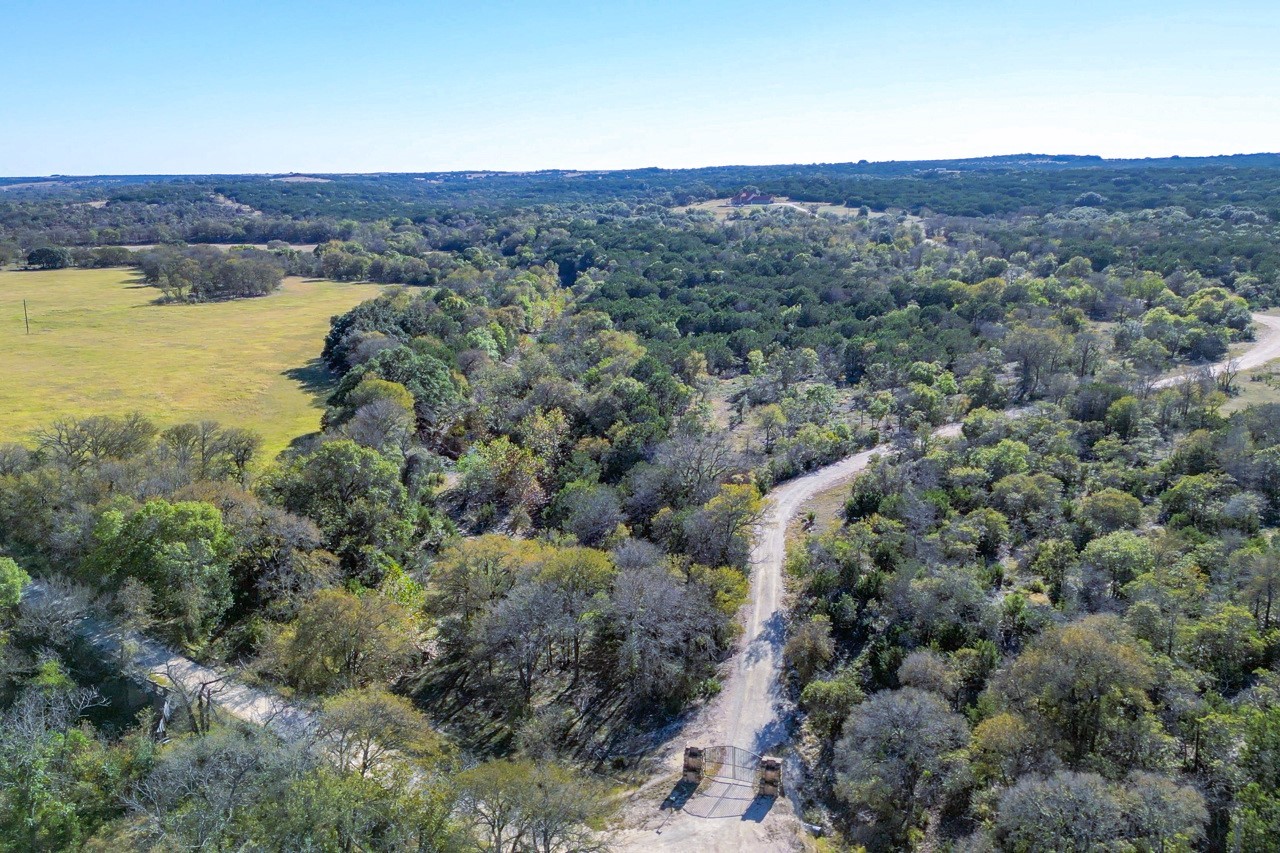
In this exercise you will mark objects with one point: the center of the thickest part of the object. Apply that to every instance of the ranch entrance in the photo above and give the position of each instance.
(731, 782)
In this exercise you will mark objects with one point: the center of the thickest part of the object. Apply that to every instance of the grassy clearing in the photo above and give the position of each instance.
(722, 209)
(828, 513)
(99, 345)
(1255, 387)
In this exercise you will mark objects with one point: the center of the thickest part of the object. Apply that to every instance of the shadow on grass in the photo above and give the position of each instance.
(315, 377)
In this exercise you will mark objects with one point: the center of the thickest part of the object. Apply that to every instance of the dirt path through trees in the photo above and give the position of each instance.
(187, 680)
(752, 710)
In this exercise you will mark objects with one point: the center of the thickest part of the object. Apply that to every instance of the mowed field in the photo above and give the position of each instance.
(100, 345)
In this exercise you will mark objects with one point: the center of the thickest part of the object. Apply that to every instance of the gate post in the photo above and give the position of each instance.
(693, 762)
(770, 776)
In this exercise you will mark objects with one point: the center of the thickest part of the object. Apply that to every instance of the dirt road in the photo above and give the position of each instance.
(752, 711)
(1263, 348)
(164, 666)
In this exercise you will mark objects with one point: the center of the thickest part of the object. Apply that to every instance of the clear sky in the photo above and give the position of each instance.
(102, 86)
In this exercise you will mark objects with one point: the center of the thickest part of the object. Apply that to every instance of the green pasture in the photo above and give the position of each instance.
(99, 344)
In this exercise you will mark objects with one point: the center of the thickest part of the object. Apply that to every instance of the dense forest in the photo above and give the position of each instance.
(518, 542)
(1073, 610)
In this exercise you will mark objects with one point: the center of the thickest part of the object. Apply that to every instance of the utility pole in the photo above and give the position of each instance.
(25, 319)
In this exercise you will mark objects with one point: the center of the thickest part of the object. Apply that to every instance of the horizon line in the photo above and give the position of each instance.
(649, 168)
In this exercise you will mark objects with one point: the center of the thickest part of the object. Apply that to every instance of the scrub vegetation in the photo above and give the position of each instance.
(517, 543)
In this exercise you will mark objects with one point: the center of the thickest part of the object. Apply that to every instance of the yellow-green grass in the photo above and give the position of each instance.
(1254, 388)
(100, 345)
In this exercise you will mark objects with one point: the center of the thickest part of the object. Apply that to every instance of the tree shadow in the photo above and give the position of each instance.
(759, 807)
(679, 795)
(776, 731)
(772, 636)
(315, 377)
(137, 282)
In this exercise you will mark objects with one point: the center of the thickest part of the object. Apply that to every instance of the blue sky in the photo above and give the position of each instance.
(193, 86)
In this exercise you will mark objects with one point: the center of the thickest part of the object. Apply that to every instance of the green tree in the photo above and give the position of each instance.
(1257, 817)
(1163, 601)
(323, 808)
(1225, 643)
(1054, 561)
(472, 574)
(503, 473)
(830, 701)
(719, 533)
(356, 497)
(1005, 457)
(181, 551)
(1111, 561)
(1109, 510)
(49, 258)
(427, 378)
(1080, 682)
(1256, 820)
(1124, 417)
(13, 580)
(579, 580)
(60, 782)
(341, 641)
(1004, 748)
(519, 805)
(771, 423)
(1198, 498)
(369, 727)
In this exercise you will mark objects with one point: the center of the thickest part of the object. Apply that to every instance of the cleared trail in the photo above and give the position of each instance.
(164, 666)
(752, 710)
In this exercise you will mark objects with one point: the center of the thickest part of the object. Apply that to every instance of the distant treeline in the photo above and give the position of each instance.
(183, 273)
(1214, 216)
(203, 274)
(188, 206)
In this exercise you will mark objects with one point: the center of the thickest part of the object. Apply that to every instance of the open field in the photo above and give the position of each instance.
(99, 345)
(722, 209)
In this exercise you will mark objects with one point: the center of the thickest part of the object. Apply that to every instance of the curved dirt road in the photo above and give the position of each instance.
(751, 711)
(1264, 347)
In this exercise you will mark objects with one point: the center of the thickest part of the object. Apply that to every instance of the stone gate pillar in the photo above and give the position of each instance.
(693, 762)
(770, 776)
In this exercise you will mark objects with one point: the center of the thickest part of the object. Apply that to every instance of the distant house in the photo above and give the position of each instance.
(750, 196)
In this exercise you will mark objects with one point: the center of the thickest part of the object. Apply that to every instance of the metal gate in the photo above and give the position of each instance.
(731, 764)
(729, 778)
